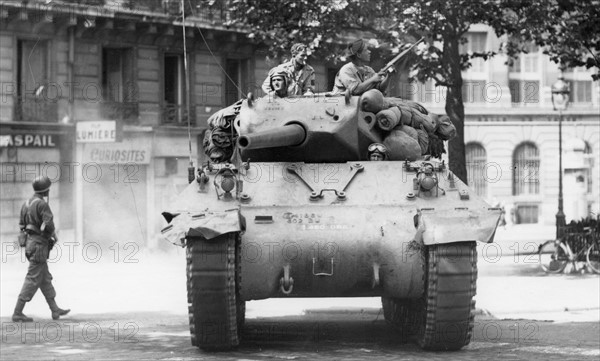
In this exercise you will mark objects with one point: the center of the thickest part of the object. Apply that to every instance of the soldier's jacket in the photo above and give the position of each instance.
(40, 220)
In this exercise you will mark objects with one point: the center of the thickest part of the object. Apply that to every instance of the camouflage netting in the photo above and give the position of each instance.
(220, 138)
(411, 131)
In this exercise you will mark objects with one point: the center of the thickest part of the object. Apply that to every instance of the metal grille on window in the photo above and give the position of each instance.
(526, 165)
(476, 158)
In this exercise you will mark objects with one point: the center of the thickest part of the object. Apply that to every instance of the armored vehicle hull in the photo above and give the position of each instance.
(403, 231)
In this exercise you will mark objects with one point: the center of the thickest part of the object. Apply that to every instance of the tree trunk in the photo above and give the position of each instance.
(455, 108)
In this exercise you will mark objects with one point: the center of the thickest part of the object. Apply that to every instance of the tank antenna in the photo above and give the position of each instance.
(191, 170)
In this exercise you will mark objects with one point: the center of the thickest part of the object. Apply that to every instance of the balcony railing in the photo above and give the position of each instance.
(127, 112)
(35, 109)
(173, 114)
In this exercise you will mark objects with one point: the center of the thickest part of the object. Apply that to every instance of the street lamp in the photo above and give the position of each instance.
(560, 102)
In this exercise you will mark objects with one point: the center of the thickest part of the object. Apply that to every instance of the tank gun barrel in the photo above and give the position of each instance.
(288, 135)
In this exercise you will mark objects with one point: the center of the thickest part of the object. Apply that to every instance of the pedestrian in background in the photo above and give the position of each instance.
(37, 222)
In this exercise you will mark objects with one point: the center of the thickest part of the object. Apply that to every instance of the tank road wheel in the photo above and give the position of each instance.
(215, 310)
(447, 307)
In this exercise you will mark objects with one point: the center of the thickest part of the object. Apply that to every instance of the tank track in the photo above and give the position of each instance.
(443, 318)
(451, 286)
(213, 301)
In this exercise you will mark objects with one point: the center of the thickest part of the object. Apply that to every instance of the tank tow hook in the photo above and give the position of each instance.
(330, 273)
(286, 283)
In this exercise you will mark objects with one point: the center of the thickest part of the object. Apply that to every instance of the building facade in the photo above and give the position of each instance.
(119, 67)
(512, 137)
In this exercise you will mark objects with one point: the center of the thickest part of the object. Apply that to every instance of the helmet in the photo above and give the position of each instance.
(41, 184)
(377, 149)
(285, 75)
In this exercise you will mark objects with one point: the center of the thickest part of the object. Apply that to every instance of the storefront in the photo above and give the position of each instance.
(113, 191)
(26, 151)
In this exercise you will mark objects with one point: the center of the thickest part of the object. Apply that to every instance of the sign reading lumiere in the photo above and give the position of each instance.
(102, 144)
(102, 131)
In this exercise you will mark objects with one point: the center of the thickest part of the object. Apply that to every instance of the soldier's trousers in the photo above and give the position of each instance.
(38, 276)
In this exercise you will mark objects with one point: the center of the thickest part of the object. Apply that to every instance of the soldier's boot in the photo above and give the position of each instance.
(56, 311)
(18, 315)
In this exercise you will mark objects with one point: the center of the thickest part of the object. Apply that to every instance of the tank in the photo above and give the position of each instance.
(298, 210)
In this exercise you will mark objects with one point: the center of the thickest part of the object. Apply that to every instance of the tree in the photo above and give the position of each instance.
(325, 24)
(568, 31)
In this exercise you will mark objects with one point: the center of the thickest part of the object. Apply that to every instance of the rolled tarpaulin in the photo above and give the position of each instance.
(408, 130)
(372, 101)
(388, 119)
(389, 102)
(402, 146)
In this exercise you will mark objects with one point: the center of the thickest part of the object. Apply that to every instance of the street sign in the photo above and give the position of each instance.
(101, 131)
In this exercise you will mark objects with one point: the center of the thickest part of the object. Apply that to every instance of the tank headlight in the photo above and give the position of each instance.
(227, 183)
(428, 183)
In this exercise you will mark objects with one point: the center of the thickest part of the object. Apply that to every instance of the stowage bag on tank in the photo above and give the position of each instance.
(402, 146)
(389, 118)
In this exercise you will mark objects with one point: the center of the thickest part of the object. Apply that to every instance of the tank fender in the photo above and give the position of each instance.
(207, 225)
(458, 225)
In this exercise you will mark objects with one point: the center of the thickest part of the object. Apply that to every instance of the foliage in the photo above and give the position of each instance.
(326, 25)
(568, 31)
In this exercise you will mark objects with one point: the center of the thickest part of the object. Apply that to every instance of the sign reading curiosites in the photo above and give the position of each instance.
(101, 131)
(138, 151)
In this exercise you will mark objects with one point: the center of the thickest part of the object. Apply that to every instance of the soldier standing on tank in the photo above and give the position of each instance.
(357, 76)
(302, 80)
(37, 221)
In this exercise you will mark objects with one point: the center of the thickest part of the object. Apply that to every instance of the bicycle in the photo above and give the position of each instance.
(572, 247)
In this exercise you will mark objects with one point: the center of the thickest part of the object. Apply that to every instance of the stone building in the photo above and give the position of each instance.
(511, 137)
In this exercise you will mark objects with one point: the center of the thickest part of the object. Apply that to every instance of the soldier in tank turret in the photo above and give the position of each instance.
(357, 76)
(278, 82)
(302, 75)
(377, 152)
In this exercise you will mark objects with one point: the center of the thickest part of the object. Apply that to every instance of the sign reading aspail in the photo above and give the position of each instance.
(101, 131)
(29, 140)
(136, 151)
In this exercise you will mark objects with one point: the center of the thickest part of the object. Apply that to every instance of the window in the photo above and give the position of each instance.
(476, 44)
(472, 91)
(526, 213)
(237, 80)
(174, 101)
(476, 158)
(581, 91)
(119, 91)
(524, 75)
(117, 75)
(34, 103)
(527, 62)
(524, 92)
(526, 165)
